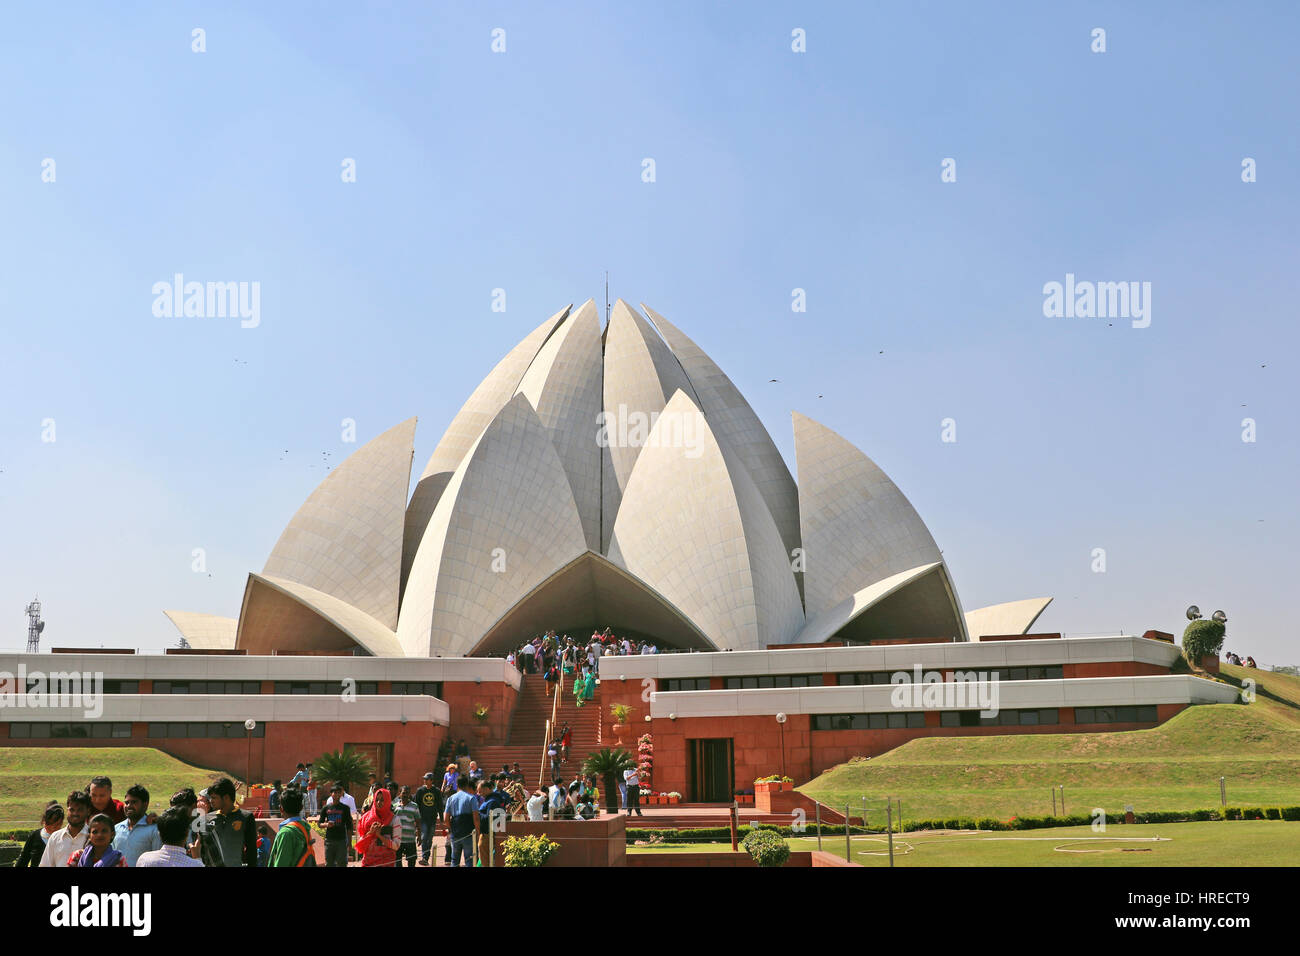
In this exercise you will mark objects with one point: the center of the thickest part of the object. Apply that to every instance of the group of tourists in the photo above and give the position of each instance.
(562, 659)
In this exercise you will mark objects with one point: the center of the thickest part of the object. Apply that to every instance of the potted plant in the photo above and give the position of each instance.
(674, 796)
(620, 713)
(481, 714)
(608, 765)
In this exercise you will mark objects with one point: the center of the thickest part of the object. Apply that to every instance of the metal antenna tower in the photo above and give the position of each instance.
(34, 626)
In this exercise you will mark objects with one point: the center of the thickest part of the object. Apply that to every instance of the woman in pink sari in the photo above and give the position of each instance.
(379, 841)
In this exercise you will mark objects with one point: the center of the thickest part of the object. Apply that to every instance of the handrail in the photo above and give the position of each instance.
(550, 724)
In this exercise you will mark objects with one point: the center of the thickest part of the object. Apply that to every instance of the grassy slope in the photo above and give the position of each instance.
(1240, 843)
(1171, 767)
(31, 776)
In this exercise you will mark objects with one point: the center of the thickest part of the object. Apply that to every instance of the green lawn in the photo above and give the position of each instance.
(1239, 843)
(32, 776)
(1175, 766)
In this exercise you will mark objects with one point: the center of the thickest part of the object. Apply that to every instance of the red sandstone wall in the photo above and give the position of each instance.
(463, 697)
(757, 743)
(614, 691)
(1114, 669)
(808, 753)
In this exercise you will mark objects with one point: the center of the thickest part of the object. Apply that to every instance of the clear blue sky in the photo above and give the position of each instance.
(775, 170)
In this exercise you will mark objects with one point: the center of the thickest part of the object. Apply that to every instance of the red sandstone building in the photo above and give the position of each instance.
(713, 717)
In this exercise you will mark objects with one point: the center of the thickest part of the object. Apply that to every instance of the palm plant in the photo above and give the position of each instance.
(346, 766)
(609, 765)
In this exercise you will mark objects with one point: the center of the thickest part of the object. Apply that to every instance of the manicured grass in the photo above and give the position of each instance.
(32, 776)
(1176, 766)
(1231, 843)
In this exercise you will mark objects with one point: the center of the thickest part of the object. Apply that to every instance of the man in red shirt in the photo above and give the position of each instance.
(101, 798)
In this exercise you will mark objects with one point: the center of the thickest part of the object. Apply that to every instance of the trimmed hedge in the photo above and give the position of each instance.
(711, 834)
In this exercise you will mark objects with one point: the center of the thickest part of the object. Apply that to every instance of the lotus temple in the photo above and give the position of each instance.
(606, 477)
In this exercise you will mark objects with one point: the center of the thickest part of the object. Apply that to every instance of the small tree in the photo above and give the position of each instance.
(346, 766)
(609, 766)
(1203, 638)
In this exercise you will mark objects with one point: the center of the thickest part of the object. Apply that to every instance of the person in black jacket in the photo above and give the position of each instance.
(34, 848)
(227, 836)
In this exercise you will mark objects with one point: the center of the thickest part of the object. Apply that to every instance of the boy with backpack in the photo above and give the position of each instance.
(293, 841)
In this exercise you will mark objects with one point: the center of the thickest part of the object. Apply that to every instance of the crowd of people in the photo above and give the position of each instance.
(394, 826)
(1239, 661)
(562, 659)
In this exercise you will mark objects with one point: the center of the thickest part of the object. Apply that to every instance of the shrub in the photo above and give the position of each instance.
(766, 847)
(1231, 813)
(346, 766)
(1203, 638)
(1253, 813)
(1290, 813)
(532, 850)
(1273, 813)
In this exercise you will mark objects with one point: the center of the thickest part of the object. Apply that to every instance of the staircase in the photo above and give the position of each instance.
(528, 732)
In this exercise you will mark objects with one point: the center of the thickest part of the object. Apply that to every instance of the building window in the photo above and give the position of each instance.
(959, 718)
(763, 681)
(685, 683)
(856, 678)
(64, 731)
(895, 720)
(418, 688)
(194, 730)
(1144, 714)
(121, 687)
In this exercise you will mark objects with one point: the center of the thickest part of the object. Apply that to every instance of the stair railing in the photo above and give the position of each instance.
(551, 724)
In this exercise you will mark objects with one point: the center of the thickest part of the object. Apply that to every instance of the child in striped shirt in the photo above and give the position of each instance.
(407, 814)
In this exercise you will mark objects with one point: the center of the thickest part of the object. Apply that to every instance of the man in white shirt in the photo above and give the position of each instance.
(536, 803)
(558, 797)
(74, 835)
(633, 781)
(173, 831)
(348, 801)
